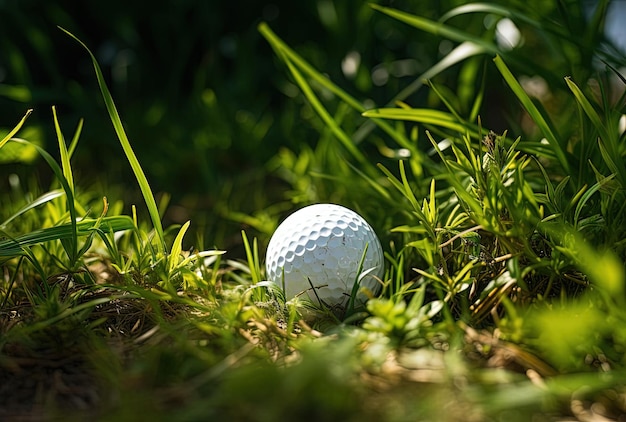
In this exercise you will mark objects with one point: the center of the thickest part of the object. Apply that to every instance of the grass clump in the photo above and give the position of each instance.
(504, 289)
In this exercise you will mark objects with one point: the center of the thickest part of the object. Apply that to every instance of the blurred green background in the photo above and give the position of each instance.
(203, 98)
(210, 111)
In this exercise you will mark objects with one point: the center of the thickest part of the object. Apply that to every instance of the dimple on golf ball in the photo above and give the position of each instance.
(324, 244)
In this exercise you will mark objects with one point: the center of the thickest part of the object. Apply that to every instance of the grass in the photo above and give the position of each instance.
(503, 295)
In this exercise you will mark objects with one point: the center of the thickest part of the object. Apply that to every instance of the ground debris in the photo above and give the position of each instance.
(34, 385)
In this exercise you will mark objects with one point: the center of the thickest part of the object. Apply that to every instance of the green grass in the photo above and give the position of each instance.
(503, 295)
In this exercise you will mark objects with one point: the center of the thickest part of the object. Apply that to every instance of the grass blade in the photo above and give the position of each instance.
(46, 197)
(506, 12)
(15, 246)
(79, 129)
(534, 113)
(128, 150)
(325, 115)
(65, 157)
(309, 71)
(608, 142)
(15, 129)
(284, 50)
(460, 53)
(438, 28)
(71, 248)
(252, 255)
(588, 109)
(425, 116)
(177, 248)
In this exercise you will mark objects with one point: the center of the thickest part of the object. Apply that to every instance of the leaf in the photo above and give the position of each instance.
(177, 248)
(48, 196)
(71, 247)
(425, 116)
(79, 129)
(252, 254)
(608, 141)
(15, 129)
(15, 246)
(339, 133)
(287, 54)
(588, 109)
(128, 150)
(437, 28)
(534, 113)
(65, 158)
(507, 12)
(461, 52)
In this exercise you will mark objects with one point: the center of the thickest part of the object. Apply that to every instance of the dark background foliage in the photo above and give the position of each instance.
(203, 98)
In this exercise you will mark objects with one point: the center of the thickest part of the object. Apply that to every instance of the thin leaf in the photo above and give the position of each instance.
(534, 113)
(460, 53)
(177, 248)
(438, 28)
(325, 116)
(72, 245)
(588, 109)
(608, 142)
(425, 116)
(253, 261)
(15, 129)
(46, 197)
(298, 62)
(406, 188)
(79, 129)
(507, 12)
(587, 195)
(128, 150)
(65, 158)
(14, 246)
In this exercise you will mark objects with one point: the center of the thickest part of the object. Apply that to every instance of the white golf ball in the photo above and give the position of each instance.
(324, 243)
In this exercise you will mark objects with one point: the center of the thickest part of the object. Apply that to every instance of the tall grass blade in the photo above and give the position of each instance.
(462, 52)
(65, 157)
(339, 133)
(534, 113)
(281, 48)
(130, 154)
(46, 197)
(177, 248)
(608, 141)
(438, 28)
(15, 129)
(79, 129)
(425, 116)
(507, 12)
(588, 109)
(357, 283)
(70, 244)
(286, 53)
(252, 255)
(15, 246)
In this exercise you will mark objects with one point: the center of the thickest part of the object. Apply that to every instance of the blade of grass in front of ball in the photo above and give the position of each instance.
(319, 300)
(282, 280)
(356, 284)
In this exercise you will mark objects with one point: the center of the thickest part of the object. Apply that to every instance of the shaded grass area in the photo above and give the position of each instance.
(503, 296)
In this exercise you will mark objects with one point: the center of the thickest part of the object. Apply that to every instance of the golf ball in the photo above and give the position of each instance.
(321, 246)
